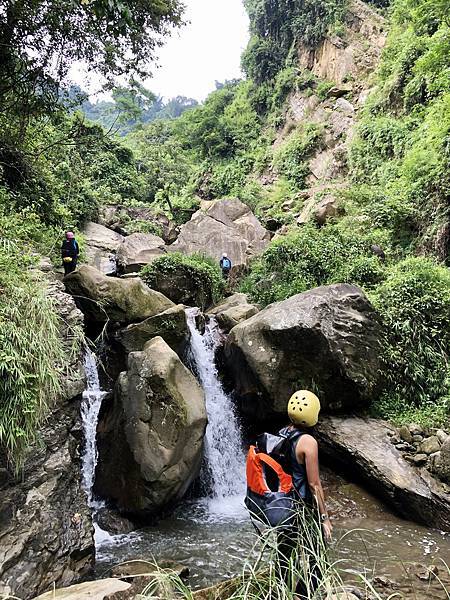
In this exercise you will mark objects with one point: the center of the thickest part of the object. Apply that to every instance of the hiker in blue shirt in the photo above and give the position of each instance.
(225, 265)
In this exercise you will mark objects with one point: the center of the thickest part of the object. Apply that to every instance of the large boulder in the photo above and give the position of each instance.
(223, 226)
(137, 250)
(46, 532)
(100, 247)
(363, 449)
(233, 310)
(171, 325)
(150, 439)
(326, 339)
(103, 298)
(441, 462)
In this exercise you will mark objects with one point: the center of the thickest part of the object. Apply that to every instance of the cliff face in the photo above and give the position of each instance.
(46, 533)
(351, 56)
(346, 60)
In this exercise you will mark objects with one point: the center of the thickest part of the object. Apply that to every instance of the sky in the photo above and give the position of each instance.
(206, 50)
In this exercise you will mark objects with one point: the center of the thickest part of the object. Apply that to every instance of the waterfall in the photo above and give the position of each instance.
(223, 443)
(90, 408)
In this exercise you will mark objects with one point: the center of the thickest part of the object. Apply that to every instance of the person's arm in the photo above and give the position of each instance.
(78, 249)
(308, 449)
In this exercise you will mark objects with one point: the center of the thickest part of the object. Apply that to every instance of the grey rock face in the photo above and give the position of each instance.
(233, 310)
(46, 533)
(171, 325)
(441, 465)
(137, 250)
(326, 339)
(104, 298)
(101, 245)
(363, 445)
(150, 440)
(223, 226)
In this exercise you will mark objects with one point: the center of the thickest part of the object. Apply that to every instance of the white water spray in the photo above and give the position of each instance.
(223, 443)
(90, 408)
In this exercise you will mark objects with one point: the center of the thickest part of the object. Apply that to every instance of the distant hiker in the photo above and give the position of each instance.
(284, 490)
(70, 251)
(225, 265)
(378, 251)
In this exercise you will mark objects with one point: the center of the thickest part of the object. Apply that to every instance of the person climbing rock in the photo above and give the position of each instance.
(225, 265)
(70, 251)
(303, 542)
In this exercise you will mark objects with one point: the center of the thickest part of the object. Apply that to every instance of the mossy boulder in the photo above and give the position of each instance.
(151, 438)
(171, 325)
(103, 298)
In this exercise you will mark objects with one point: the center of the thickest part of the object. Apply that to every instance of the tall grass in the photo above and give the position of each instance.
(32, 354)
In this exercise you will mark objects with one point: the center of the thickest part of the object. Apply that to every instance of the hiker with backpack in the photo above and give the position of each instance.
(70, 251)
(225, 265)
(284, 491)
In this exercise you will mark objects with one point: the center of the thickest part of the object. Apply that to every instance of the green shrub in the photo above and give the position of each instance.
(290, 159)
(310, 257)
(414, 303)
(202, 272)
(31, 352)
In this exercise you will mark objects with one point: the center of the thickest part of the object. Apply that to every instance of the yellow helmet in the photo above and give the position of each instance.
(304, 408)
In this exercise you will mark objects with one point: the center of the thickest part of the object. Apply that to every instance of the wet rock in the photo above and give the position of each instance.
(171, 325)
(362, 446)
(105, 299)
(425, 573)
(326, 339)
(114, 523)
(149, 568)
(101, 245)
(150, 441)
(102, 589)
(441, 464)
(430, 445)
(138, 250)
(405, 434)
(404, 447)
(223, 226)
(46, 532)
(233, 310)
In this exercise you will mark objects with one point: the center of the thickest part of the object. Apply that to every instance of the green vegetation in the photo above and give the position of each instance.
(33, 360)
(311, 257)
(57, 169)
(414, 303)
(202, 273)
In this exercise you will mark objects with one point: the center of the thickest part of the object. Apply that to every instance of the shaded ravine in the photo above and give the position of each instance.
(213, 536)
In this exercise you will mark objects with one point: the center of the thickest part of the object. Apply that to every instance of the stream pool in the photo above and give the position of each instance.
(214, 539)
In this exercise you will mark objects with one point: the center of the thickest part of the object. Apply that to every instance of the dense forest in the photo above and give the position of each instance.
(58, 167)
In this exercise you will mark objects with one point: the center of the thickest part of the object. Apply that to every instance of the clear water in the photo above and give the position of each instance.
(215, 538)
(223, 443)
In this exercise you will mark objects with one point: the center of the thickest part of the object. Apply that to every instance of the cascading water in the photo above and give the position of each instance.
(90, 408)
(223, 443)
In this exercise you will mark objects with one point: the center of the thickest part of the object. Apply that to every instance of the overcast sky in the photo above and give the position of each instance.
(207, 49)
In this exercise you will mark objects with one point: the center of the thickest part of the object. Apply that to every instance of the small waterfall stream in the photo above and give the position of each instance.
(90, 408)
(223, 444)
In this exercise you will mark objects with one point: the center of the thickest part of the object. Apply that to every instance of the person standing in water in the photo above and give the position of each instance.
(312, 523)
(225, 265)
(70, 251)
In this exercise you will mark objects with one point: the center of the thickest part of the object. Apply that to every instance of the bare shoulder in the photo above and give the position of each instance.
(307, 442)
